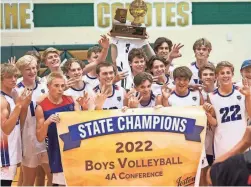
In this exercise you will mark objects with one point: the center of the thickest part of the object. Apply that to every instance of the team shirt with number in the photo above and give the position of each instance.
(30, 144)
(231, 119)
(115, 101)
(124, 46)
(11, 151)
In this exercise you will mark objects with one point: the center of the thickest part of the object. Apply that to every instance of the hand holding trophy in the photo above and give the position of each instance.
(135, 29)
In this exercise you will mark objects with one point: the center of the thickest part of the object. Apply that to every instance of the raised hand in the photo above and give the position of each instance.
(246, 89)
(100, 98)
(71, 82)
(120, 76)
(83, 101)
(12, 60)
(159, 79)
(25, 98)
(54, 118)
(175, 52)
(166, 91)
(104, 42)
(134, 101)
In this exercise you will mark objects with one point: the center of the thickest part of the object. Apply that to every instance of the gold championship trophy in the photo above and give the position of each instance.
(122, 27)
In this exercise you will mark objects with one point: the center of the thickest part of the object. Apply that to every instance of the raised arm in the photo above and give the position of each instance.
(104, 42)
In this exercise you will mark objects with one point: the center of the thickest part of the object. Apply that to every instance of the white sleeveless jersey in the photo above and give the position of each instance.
(76, 93)
(156, 87)
(11, 151)
(116, 100)
(210, 130)
(151, 103)
(124, 46)
(231, 120)
(191, 99)
(30, 145)
(92, 81)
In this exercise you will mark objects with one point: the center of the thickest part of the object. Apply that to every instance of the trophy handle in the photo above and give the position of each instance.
(136, 21)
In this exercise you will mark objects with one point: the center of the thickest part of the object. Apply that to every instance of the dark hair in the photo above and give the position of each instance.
(136, 52)
(209, 66)
(155, 57)
(95, 49)
(142, 77)
(159, 41)
(105, 64)
(182, 71)
(68, 63)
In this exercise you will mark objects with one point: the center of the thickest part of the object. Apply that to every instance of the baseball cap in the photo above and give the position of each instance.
(232, 172)
(245, 64)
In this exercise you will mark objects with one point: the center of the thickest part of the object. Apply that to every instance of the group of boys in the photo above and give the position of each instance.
(30, 104)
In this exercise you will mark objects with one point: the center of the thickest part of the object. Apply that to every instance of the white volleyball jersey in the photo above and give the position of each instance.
(124, 46)
(210, 130)
(11, 151)
(231, 120)
(76, 93)
(191, 99)
(30, 145)
(151, 103)
(156, 87)
(116, 100)
(92, 81)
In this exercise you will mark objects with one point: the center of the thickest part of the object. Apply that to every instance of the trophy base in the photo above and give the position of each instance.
(128, 30)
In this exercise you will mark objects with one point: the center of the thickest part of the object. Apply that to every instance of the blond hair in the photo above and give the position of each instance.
(222, 65)
(8, 69)
(202, 41)
(25, 61)
(53, 76)
(47, 51)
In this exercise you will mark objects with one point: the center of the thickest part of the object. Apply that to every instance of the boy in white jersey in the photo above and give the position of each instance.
(164, 47)
(157, 66)
(13, 113)
(246, 74)
(34, 152)
(231, 106)
(202, 48)
(91, 77)
(144, 96)
(183, 96)
(73, 69)
(137, 60)
(108, 95)
(51, 58)
(208, 78)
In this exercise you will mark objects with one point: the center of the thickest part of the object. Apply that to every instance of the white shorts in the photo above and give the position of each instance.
(58, 178)
(8, 173)
(35, 160)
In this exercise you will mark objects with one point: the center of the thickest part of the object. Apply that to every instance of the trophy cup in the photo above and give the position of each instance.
(122, 27)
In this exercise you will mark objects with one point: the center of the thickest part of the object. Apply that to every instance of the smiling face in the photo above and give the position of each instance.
(246, 73)
(225, 76)
(75, 71)
(144, 89)
(106, 75)
(181, 84)
(158, 68)
(163, 50)
(208, 77)
(138, 65)
(29, 72)
(53, 61)
(93, 56)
